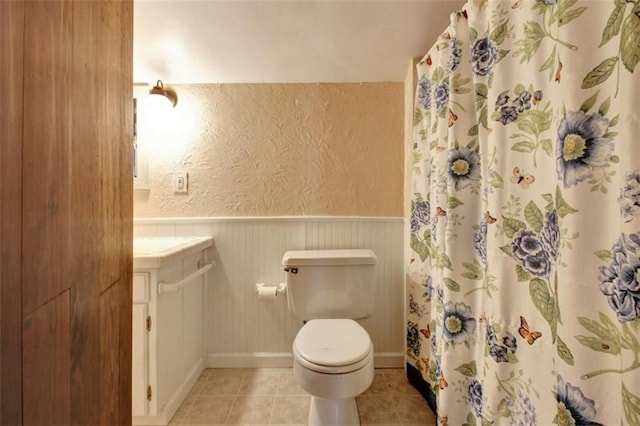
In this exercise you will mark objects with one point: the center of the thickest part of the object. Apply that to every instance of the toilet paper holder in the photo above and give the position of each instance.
(281, 288)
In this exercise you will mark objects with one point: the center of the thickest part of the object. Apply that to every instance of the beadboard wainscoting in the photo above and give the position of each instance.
(244, 331)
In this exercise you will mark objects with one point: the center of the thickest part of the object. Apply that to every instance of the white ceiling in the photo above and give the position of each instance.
(269, 41)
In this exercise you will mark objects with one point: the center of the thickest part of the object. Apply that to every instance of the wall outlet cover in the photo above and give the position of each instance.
(180, 182)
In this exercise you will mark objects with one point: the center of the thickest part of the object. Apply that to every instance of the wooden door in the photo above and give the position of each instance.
(11, 78)
(66, 210)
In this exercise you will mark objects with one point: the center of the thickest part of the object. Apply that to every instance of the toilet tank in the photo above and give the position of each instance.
(330, 283)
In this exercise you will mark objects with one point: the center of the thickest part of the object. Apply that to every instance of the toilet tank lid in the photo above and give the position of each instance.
(329, 257)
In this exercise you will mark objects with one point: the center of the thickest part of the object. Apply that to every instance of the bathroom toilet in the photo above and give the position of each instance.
(332, 353)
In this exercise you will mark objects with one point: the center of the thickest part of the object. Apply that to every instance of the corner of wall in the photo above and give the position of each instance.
(409, 94)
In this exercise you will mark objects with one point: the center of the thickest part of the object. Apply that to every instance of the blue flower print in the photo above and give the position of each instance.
(510, 342)
(429, 287)
(537, 96)
(498, 353)
(441, 96)
(413, 338)
(420, 213)
(438, 369)
(523, 101)
(475, 397)
(416, 308)
(528, 249)
(484, 55)
(508, 114)
(521, 410)
(455, 55)
(458, 324)
(433, 344)
(550, 234)
(538, 264)
(502, 99)
(491, 335)
(620, 279)
(581, 146)
(464, 167)
(630, 196)
(509, 111)
(573, 407)
(480, 241)
(424, 93)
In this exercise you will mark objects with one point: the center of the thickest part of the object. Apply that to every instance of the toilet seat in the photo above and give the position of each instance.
(333, 346)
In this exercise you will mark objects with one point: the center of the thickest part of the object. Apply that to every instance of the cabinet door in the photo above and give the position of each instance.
(140, 370)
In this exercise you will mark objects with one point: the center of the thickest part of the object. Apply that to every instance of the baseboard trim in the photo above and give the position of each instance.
(250, 360)
(388, 360)
(285, 360)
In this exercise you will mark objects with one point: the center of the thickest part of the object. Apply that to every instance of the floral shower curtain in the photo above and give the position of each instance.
(524, 269)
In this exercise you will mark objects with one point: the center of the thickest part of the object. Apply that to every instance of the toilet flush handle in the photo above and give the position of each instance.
(292, 270)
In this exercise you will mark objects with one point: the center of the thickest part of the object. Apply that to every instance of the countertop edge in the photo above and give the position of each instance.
(151, 262)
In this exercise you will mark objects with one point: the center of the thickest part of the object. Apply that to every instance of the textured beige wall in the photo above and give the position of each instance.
(278, 150)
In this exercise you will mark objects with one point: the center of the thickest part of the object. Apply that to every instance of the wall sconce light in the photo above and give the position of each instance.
(168, 93)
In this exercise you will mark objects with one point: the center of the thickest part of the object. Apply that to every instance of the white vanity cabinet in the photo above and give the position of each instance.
(168, 324)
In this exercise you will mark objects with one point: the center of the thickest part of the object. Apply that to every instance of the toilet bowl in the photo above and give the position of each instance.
(333, 361)
(332, 354)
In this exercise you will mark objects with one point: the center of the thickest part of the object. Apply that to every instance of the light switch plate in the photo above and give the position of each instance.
(180, 182)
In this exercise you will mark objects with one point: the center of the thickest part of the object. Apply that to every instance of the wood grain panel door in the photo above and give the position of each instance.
(46, 149)
(66, 196)
(11, 60)
(46, 362)
(102, 172)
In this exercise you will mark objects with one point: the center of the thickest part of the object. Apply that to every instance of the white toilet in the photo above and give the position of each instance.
(332, 354)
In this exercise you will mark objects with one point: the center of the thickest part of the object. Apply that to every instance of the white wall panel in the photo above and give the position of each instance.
(249, 250)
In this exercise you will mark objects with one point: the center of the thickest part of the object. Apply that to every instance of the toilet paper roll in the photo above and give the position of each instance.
(267, 292)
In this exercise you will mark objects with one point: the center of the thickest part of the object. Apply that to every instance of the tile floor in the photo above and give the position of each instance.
(271, 396)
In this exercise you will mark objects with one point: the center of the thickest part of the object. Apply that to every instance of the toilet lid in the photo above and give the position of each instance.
(332, 342)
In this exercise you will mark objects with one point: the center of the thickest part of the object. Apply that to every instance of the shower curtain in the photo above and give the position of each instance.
(524, 270)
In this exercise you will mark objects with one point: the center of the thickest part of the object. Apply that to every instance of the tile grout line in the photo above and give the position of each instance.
(275, 394)
(236, 396)
(235, 399)
(391, 395)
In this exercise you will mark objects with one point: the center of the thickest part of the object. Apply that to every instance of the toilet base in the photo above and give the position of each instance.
(333, 412)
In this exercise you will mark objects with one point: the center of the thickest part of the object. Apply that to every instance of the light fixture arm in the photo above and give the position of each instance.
(168, 93)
